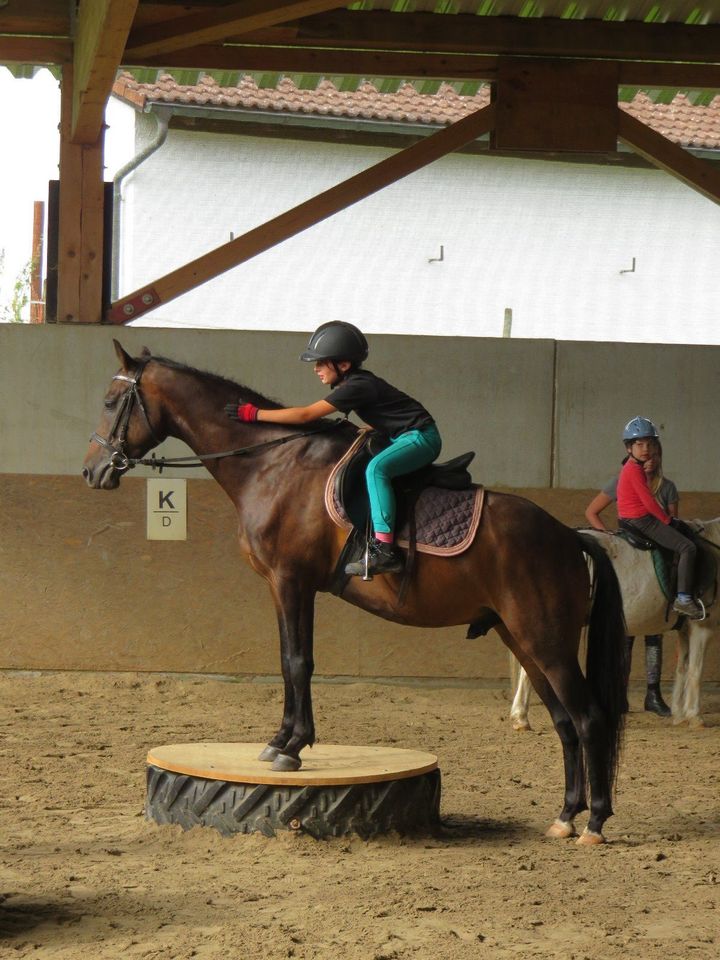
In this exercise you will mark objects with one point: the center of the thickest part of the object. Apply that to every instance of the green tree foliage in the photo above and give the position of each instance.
(11, 312)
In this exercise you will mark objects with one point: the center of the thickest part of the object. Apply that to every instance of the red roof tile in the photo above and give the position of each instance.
(680, 121)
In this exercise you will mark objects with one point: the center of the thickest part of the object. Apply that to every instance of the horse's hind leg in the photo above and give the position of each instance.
(681, 675)
(575, 798)
(521, 701)
(574, 693)
(698, 635)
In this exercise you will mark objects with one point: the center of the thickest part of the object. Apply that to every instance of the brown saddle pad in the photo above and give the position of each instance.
(446, 521)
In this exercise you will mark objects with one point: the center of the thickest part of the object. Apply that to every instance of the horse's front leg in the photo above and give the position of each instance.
(278, 743)
(295, 607)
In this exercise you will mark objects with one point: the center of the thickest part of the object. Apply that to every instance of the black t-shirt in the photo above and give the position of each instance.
(378, 403)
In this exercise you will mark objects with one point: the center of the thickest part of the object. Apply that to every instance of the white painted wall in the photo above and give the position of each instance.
(546, 239)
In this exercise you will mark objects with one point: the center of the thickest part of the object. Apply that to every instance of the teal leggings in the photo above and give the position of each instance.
(410, 451)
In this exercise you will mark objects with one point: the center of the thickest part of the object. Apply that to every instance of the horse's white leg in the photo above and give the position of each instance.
(698, 636)
(519, 708)
(681, 671)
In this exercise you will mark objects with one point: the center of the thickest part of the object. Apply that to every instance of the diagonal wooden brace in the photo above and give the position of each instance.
(299, 218)
(694, 171)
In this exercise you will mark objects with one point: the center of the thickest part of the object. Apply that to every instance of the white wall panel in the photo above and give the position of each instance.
(546, 239)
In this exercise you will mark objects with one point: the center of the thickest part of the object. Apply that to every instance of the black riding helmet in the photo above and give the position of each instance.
(336, 340)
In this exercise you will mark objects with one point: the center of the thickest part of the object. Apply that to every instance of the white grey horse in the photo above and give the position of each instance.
(645, 612)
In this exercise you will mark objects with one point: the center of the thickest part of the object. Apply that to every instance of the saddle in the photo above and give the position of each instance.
(438, 507)
(350, 491)
(665, 564)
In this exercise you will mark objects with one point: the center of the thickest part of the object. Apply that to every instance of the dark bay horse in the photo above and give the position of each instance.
(524, 569)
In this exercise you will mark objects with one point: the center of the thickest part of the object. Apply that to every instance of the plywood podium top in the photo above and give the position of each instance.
(322, 765)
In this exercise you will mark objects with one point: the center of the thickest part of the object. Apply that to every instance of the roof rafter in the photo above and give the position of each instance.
(209, 26)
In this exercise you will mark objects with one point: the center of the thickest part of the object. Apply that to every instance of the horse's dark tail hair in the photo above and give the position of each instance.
(606, 651)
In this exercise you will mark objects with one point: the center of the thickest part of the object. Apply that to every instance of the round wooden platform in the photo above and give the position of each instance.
(339, 789)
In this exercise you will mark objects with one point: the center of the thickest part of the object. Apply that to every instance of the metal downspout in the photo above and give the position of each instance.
(162, 116)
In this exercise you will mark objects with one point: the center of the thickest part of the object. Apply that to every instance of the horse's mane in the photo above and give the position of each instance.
(247, 393)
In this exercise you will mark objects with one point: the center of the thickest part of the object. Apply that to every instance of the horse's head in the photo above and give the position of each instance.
(127, 429)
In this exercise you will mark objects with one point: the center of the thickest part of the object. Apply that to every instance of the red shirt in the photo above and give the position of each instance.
(634, 498)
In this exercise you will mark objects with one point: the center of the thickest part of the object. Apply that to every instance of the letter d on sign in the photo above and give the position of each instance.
(166, 509)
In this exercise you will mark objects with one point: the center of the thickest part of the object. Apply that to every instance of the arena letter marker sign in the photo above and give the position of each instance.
(166, 509)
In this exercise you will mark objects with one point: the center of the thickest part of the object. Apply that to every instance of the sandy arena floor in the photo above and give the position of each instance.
(83, 875)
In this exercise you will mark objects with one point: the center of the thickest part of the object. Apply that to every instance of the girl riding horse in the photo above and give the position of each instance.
(338, 350)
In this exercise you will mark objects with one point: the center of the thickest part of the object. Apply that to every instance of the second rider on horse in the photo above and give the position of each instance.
(338, 350)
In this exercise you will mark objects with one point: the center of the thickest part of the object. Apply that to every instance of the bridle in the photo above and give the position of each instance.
(115, 440)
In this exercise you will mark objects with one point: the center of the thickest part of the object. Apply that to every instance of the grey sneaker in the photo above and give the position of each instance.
(689, 608)
(382, 559)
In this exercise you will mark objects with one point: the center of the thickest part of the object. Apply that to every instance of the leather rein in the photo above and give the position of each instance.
(115, 441)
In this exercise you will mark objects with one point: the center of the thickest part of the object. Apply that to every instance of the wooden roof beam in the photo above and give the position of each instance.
(516, 36)
(363, 63)
(35, 50)
(699, 174)
(392, 63)
(102, 30)
(37, 18)
(212, 25)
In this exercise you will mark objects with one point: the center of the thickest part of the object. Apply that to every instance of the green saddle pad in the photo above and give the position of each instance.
(662, 562)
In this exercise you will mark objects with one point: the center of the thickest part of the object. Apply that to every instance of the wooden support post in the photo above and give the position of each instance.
(36, 298)
(695, 172)
(80, 240)
(305, 215)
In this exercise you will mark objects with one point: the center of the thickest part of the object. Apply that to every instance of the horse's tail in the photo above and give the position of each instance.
(606, 651)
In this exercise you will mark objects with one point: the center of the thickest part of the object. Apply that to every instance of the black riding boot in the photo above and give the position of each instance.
(382, 558)
(654, 702)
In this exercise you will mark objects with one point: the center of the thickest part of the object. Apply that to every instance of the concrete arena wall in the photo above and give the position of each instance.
(81, 587)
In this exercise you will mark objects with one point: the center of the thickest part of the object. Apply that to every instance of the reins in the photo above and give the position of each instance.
(115, 440)
(159, 463)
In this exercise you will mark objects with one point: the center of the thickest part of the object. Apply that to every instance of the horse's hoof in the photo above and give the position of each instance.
(521, 725)
(269, 753)
(284, 763)
(696, 723)
(588, 838)
(561, 830)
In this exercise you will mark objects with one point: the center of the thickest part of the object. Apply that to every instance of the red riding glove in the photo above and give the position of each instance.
(247, 412)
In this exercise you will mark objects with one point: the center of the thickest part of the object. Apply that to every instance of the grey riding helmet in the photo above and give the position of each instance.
(639, 428)
(336, 340)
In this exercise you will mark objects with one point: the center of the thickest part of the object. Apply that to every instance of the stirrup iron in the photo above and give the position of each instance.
(367, 576)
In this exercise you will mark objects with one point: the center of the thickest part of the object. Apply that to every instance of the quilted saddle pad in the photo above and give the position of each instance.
(446, 521)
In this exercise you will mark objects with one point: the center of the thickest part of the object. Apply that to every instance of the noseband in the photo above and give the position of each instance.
(115, 441)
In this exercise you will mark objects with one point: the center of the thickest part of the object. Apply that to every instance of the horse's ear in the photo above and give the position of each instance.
(125, 359)
(146, 352)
